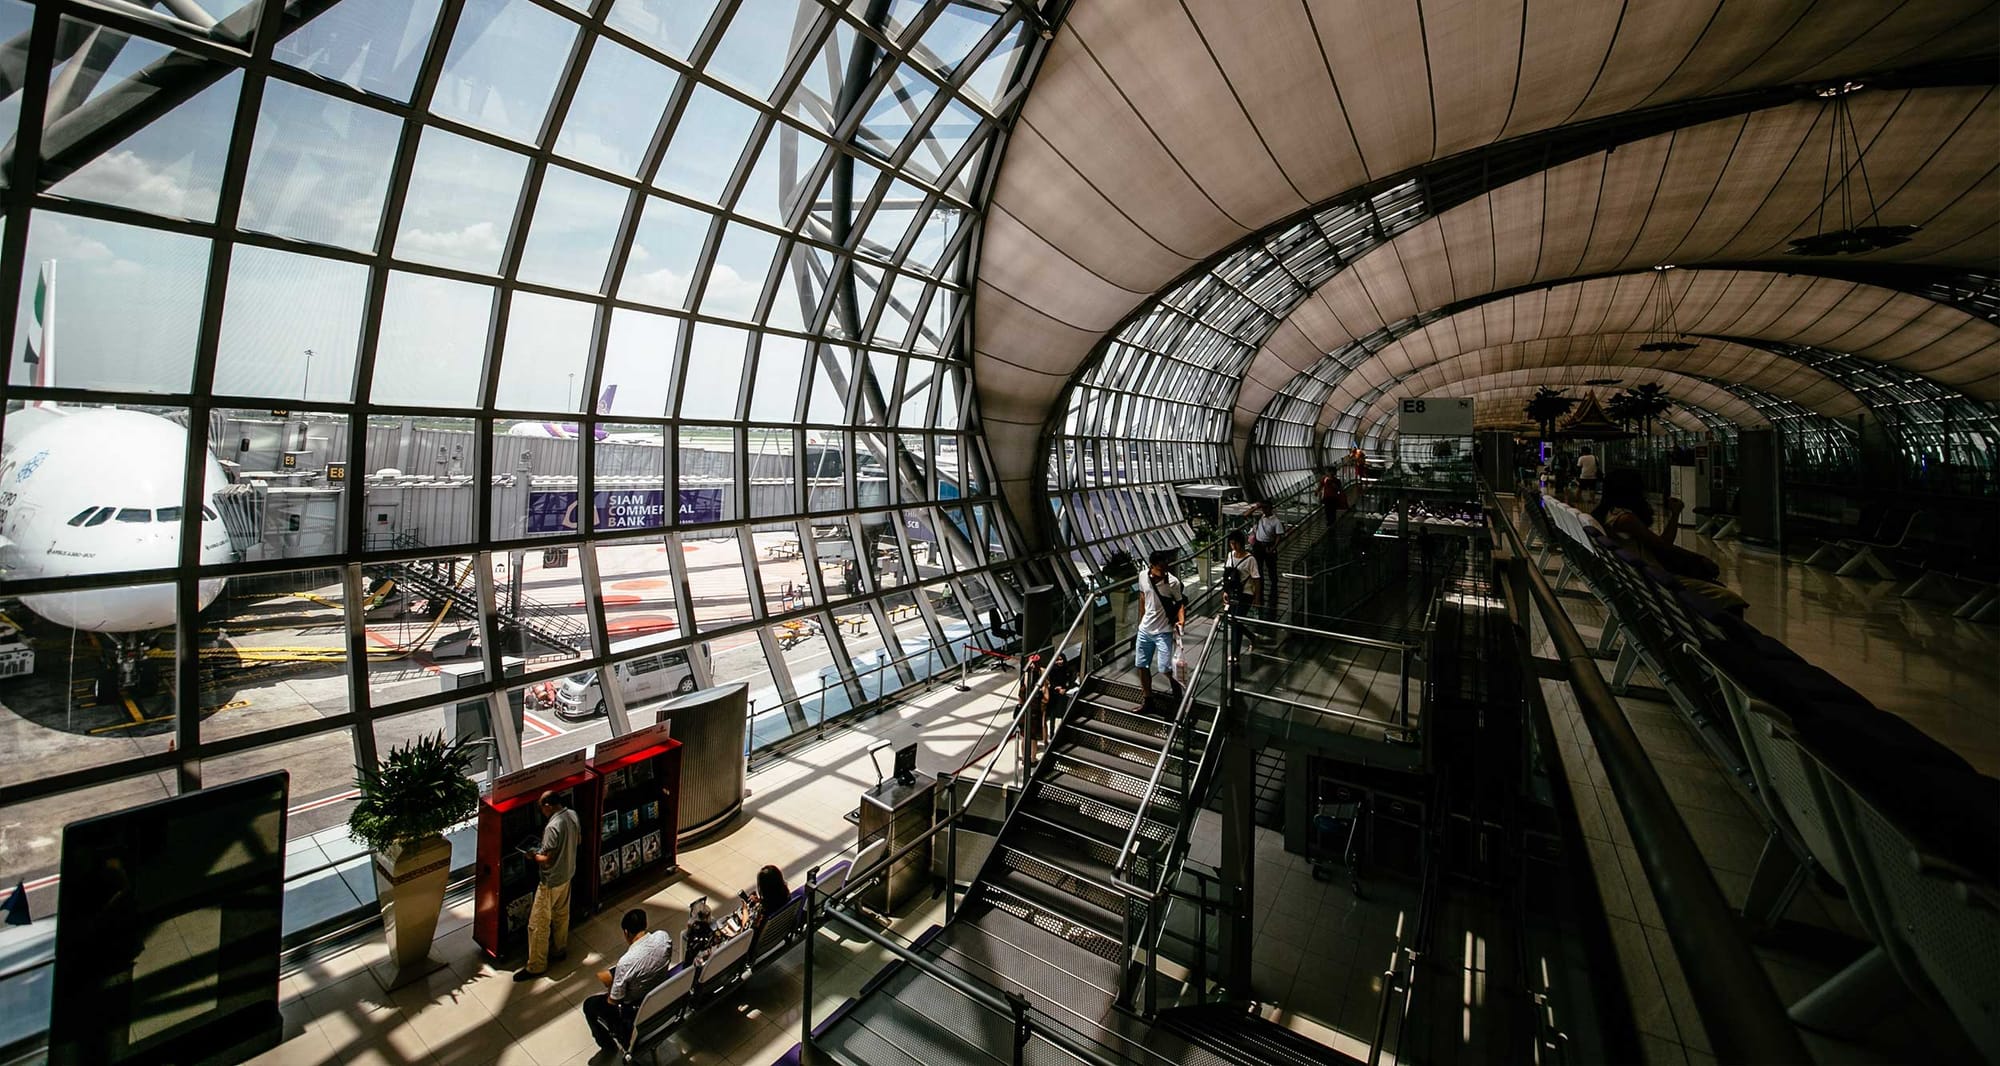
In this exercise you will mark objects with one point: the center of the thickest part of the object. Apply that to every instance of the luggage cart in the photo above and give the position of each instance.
(1336, 835)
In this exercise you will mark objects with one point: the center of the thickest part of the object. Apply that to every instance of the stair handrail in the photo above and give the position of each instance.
(1153, 781)
(1745, 1019)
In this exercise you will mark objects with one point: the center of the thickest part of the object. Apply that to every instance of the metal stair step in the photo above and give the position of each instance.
(1139, 726)
(1113, 772)
(914, 1017)
(1029, 902)
(1057, 785)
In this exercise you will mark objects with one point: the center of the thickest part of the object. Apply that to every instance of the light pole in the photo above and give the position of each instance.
(572, 392)
(305, 387)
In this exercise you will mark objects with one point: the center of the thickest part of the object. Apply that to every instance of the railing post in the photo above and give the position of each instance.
(951, 851)
(806, 969)
(1022, 1030)
(1403, 688)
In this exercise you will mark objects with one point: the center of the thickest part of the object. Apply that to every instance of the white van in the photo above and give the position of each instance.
(578, 697)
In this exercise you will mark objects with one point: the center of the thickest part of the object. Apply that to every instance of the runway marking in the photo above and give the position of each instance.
(133, 710)
(547, 730)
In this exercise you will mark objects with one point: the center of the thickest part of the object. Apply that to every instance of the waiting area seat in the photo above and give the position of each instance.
(1905, 826)
(697, 983)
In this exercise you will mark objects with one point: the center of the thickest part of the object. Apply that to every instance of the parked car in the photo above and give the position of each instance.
(579, 696)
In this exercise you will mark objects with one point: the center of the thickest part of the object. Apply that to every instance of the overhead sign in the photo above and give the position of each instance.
(555, 512)
(1437, 415)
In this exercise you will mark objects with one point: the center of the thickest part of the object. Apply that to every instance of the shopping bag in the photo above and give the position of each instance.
(1180, 665)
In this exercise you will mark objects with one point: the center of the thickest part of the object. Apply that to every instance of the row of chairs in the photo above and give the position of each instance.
(1905, 826)
(1954, 556)
(696, 983)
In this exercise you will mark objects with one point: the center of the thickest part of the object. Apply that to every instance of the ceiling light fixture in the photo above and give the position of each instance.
(1664, 337)
(1860, 231)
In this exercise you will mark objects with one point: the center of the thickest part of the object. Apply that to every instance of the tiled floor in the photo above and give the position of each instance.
(336, 1010)
(1909, 656)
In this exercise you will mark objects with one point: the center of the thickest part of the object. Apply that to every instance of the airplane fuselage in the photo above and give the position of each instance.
(98, 491)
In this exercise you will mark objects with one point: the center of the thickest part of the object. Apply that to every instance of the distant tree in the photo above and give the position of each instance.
(1546, 407)
(1619, 409)
(1646, 403)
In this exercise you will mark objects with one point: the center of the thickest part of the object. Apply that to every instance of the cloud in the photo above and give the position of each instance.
(477, 245)
(124, 178)
(664, 287)
(730, 294)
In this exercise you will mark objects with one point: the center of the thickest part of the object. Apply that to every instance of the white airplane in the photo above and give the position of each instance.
(95, 491)
(567, 430)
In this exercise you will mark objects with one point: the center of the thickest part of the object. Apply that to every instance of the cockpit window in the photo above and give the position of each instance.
(81, 515)
(102, 516)
(135, 514)
(168, 514)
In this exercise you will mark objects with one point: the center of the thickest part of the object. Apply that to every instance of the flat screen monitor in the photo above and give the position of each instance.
(906, 764)
(171, 919)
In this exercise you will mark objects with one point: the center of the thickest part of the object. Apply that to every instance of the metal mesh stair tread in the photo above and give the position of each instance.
(1052, 777)
(1052, 900)
(1075, 748)
(1082, 823)
(1063, 982)
(1113, 734)
(1138, 726)
(915, 1017)
(1123, 775)
(1241, 1037)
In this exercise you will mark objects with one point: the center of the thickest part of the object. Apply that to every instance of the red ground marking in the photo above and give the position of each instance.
(642, 583)
(633, 625)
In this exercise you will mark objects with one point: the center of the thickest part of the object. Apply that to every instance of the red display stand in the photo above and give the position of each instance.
(637, 810)
(505, 878)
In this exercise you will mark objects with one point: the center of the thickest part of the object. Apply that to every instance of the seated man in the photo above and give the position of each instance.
(647, 959)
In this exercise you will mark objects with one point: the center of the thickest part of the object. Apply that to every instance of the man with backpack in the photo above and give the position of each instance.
(1162, 613)
(1264, 537)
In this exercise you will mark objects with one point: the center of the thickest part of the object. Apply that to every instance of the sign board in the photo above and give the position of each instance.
(1448, 416)
(555, 512)
(639, 739)
(540, 776)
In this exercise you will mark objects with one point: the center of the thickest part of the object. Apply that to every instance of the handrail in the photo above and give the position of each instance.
(1742, 1013)
(1153, 782)
(1345, 638)
(1000, 1003)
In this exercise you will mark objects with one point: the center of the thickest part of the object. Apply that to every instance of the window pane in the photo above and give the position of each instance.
(299, 448)
(279, 306)
(433, 343)
(306, 631)
(171, 166)
(785, 172)
(376, 46)
(706, 144)
(638, 593)
(503, 65)
(773, 481)
(664, 251)
(116, 332)
(461, 201)
(716, 579)
(779, 362)
(737, 279)
(715, 372)
(575, 223)
(319, 168)
(411, 613)
(668, 25)
(543, 361)
(617, 109)
(639, 360)
(761, 39)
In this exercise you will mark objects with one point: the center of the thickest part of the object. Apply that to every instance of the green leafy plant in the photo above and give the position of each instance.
(418, 790)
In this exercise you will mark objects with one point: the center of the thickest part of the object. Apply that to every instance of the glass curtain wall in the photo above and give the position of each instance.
(543, 358)
(1154, 409)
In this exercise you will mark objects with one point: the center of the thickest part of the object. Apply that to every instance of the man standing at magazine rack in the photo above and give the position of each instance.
(548, 922)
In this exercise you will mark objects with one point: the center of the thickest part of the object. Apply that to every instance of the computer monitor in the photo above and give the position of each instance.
(906, 764)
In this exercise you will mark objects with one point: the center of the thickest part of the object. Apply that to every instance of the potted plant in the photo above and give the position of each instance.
(407, 802)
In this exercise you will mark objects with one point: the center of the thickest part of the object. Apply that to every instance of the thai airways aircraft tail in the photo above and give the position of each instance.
(604, 401)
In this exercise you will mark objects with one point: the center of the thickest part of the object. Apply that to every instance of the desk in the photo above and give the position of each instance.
(900, 813)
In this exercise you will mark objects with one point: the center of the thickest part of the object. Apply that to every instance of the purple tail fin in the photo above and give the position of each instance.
(604, 401)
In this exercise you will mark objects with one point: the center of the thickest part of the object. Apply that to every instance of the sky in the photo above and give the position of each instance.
(128, 298)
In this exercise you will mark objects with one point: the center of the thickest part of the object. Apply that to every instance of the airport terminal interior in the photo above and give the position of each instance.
(1119, 532)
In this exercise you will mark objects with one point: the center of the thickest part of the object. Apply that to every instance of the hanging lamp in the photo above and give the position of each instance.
(1860, 227)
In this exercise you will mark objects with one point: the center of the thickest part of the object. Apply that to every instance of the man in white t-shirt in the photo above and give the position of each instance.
(1586, 473)
(1242, 583)
(1162, 611)
(1264, 537)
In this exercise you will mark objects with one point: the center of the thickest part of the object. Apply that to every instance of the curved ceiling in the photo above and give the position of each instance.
(1734, 190)
(1897, 329)
(1460, 380)
(1617, 354)
(1500, 407)
(1158, 134)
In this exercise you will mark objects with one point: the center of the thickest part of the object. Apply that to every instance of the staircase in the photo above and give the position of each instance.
(1049, 921)
(441, 580)
(1231, 1032)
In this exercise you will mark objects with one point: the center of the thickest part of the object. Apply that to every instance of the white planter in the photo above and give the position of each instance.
(410, 882)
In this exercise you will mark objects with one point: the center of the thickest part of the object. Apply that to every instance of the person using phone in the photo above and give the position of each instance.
(548, 920)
